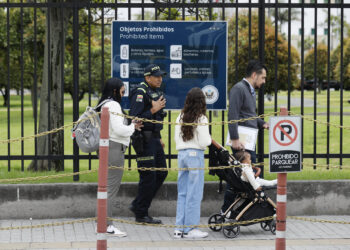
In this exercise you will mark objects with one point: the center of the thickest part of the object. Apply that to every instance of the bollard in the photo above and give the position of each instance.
(102, 181)
(281, 205)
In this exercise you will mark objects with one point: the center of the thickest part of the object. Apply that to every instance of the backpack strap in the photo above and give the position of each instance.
(102, 103)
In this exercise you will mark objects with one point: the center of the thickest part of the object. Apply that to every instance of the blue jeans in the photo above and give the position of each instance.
(190, 186)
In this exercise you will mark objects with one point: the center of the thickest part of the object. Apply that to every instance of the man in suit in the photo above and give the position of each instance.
(243, 105)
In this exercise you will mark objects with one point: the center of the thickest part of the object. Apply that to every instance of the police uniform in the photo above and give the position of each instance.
(152, 154)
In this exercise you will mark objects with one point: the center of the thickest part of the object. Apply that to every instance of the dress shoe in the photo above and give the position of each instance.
(148, 219)
(132, 209)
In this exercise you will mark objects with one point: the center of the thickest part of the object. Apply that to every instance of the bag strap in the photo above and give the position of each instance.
(102, 103)
(97, 106)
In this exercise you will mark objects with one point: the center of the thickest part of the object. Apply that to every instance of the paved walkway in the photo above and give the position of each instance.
(300, 235)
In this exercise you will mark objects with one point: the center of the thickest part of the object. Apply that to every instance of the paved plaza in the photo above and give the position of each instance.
(300, 235)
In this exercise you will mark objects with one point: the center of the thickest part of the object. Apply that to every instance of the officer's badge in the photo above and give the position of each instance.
(139, 98)
(154, 95)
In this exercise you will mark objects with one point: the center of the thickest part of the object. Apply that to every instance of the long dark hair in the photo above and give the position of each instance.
(111, 91)
(194, 107)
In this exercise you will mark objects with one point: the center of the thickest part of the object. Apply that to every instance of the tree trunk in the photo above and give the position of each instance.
(52, 75)
(5, 95)
(32, 97)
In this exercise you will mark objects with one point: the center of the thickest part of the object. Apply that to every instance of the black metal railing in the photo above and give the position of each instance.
(87, 23)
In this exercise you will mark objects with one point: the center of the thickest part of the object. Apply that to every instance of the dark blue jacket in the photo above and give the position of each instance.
(141, 103)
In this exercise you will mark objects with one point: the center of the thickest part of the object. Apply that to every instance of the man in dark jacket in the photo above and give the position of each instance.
(147, 101)
(243, 105)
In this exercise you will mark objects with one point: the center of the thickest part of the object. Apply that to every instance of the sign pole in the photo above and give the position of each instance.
(281, 204)
(102, 181)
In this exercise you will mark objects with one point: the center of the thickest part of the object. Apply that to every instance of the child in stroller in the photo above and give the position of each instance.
(248, 175)
(249, 204)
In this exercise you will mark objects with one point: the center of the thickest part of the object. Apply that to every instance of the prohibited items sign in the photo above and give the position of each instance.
(285, 144)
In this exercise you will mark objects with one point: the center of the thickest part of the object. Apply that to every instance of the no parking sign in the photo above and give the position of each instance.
(285, 144)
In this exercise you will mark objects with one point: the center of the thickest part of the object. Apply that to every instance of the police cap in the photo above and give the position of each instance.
(153, 70)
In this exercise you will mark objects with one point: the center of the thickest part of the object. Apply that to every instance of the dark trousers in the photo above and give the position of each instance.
(150, 181)
(229, 196)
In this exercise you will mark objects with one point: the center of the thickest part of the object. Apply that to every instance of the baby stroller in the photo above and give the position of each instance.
(248, 204)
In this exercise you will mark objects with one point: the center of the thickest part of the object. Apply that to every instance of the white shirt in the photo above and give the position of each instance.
(119, 131)
(252, 90)
(201, 137)
(248, 175)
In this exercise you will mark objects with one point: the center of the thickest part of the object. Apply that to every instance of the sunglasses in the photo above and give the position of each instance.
(123, 92)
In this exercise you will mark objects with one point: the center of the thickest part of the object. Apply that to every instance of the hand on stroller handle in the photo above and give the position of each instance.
(231, 157)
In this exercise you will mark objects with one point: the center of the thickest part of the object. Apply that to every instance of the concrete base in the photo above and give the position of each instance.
(77, 200)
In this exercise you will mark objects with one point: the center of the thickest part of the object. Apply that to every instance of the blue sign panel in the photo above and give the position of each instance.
(194, 54)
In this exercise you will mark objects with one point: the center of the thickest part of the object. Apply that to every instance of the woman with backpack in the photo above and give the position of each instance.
(119, 139)
(191, 141)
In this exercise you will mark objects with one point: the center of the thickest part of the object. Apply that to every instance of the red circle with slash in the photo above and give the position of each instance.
(278, 126)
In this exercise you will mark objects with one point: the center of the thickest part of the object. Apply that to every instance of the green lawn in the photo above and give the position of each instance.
(307, 174)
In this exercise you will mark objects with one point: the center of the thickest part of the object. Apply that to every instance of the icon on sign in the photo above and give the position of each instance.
(176, 70)
(126, 85)
(176, 52)
(124, 52)
(285, 133)
(211, 94)
(124, 70)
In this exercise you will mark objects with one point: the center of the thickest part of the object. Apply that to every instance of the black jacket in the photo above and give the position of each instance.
(141, 103)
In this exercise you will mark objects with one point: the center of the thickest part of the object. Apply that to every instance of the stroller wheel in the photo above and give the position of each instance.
(231, 231)
(216, 219)
(273, 227)
(265, 225)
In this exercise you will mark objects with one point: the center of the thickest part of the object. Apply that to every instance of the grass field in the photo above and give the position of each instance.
(307, 174)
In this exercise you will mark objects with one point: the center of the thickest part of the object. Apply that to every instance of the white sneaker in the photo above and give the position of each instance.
(115, 231)
(195, 233)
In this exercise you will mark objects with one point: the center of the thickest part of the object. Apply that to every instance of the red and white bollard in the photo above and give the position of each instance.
(102, 181)
(281, 205)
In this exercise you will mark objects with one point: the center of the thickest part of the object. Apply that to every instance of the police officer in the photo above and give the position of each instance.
(147, 101)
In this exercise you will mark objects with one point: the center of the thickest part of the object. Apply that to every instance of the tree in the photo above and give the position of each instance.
(346, 63)
(51, 86)
(335, 57)
(176, 13)
(282, 16)
(243, 50)
(15, 45)
(308, 43)
(95, 67)
(321, 70)
(335, 23)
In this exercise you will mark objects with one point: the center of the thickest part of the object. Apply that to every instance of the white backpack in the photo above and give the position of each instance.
(87, 131)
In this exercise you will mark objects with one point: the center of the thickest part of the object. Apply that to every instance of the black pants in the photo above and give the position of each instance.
(229, 196)
(150, 181)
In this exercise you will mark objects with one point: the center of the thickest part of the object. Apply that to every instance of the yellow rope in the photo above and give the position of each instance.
(233, 223)
(53, 224)
(147, 169)
(194, 226)
(318, 220)
(321, 122)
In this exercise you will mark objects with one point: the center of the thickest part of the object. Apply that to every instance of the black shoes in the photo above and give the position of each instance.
(132, 209)
(148, 219)
(144, 219)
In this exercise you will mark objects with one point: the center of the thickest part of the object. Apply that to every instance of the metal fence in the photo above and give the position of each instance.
(75, 37)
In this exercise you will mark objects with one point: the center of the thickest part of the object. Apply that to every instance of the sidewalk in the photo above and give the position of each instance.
(300, 235)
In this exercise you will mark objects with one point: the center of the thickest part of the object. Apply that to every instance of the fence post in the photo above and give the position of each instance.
(281, 204)
(102, 181)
